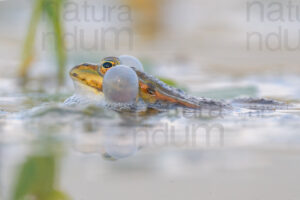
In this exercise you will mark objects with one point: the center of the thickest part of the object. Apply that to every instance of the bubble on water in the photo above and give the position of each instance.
(72, 100)
(120, 85)
(131, 61)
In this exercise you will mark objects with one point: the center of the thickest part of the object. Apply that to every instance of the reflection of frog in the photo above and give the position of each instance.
(153, 92)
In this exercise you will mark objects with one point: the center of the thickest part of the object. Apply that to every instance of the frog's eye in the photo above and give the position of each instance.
(107, 65)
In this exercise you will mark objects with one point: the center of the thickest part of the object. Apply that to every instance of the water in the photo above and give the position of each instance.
(240, 155)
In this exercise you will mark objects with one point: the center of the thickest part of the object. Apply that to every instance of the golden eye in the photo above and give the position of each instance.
(107, 64)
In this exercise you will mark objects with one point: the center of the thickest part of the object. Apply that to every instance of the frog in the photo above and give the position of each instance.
(154, 93)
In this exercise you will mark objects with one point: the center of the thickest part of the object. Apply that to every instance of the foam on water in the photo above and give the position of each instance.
(84, 96)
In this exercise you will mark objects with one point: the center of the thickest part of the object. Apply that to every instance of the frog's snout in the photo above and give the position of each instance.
(83, 69)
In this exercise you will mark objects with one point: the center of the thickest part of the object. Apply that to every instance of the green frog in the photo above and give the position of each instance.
(152, 92)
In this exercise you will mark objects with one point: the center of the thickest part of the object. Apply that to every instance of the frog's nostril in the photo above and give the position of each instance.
(75, 74)
(120, 85)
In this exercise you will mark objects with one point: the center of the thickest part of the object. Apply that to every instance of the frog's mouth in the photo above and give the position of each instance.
(86, 78)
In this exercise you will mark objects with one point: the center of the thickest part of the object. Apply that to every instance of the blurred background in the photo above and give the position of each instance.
(230, 38)
(217, 49)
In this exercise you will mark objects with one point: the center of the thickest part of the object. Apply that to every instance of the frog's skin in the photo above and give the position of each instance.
(156, 94)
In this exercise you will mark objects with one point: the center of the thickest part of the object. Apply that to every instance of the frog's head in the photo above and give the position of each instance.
(89, 77)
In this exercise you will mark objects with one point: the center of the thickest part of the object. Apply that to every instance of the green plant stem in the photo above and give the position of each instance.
(53, 10)
(28, 49)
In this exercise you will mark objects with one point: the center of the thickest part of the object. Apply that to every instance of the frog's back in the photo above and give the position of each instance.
(159, 95)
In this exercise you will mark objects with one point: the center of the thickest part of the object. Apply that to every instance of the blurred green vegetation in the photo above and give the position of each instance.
(52, 10)
(37, 178)
(168, 81)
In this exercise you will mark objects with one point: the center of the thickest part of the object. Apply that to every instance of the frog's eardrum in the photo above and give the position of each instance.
(120, 85)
